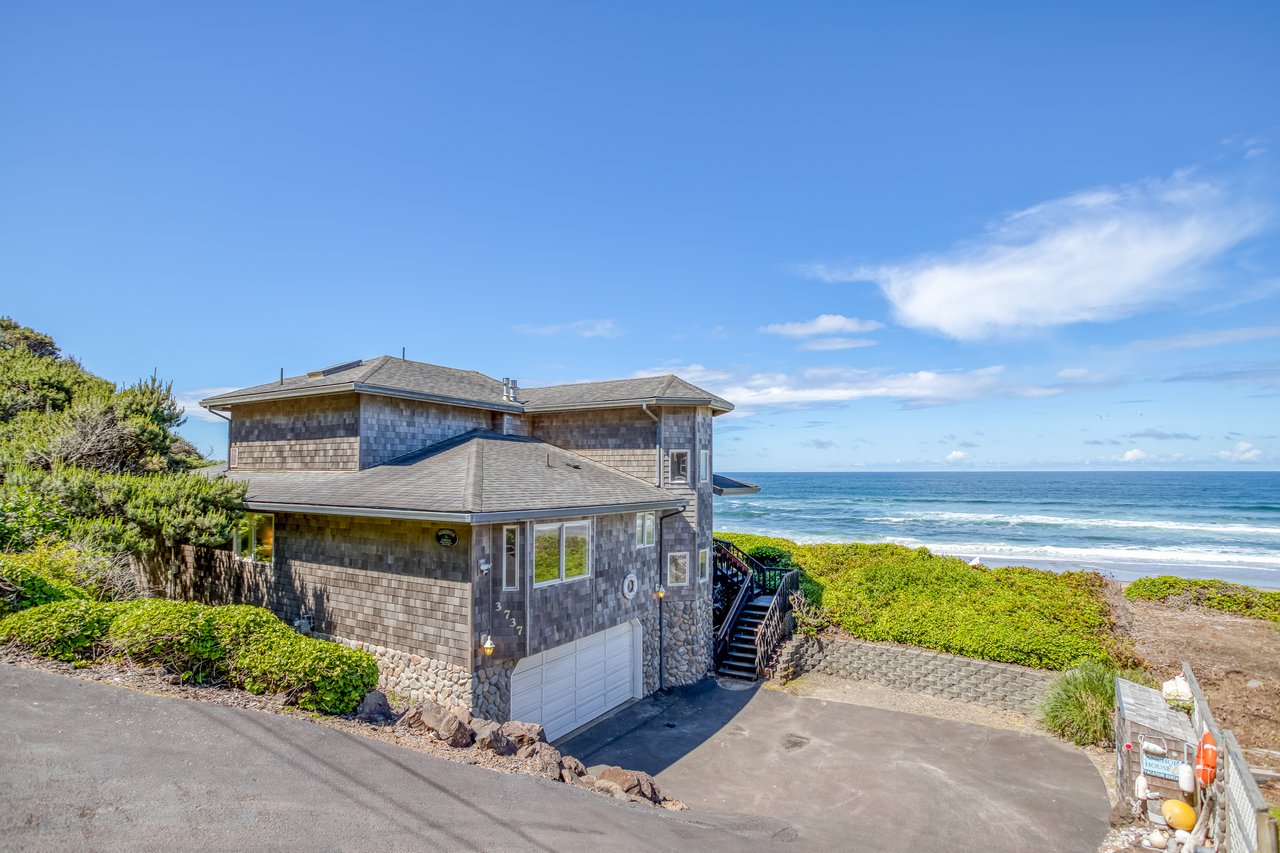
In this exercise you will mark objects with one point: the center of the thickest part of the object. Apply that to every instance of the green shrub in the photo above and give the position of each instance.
(1015, 615)
(316, 674)
(178, 635)
(1215, 594)
(772, 555)
(22, 586)
(1080, 704)
(67, 630)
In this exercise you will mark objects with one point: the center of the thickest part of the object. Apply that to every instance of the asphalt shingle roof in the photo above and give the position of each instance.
(479, 472)
(387, 374)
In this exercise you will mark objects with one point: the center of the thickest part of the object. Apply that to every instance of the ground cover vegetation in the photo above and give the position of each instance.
(909, 595)
(94, 483)
(1214, 594)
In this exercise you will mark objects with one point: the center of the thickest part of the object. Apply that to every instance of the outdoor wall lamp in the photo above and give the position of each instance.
(488, 645)
(660, 592)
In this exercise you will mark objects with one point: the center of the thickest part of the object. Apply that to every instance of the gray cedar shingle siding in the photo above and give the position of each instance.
(624, 439)
(316, 433)
(393, 426)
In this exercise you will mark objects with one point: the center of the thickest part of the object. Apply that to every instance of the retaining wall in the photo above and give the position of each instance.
(999, 685)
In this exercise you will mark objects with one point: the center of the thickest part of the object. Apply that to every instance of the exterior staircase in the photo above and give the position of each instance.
(740, 658)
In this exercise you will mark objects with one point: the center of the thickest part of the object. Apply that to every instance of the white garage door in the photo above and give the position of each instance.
(571, 685)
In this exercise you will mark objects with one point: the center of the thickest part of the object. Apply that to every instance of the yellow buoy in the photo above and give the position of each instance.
(1178, 814)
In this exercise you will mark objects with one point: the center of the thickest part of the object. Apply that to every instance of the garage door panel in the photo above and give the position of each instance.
(572, 684)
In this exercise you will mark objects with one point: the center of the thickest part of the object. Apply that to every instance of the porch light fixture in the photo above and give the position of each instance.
(660, 592)
(488, 645)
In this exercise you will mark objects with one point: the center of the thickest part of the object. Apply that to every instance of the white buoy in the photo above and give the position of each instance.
(1186, 778)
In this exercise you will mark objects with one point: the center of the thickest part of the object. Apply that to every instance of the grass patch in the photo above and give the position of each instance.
(909, 595)
(1080, 705)
(1214, 594)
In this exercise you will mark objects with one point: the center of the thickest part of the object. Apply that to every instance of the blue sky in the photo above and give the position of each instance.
(914, 236)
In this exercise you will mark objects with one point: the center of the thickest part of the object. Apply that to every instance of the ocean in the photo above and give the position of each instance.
(1123, 524)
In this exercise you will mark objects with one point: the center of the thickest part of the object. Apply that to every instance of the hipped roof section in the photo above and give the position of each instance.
(397, 377)
(477, 477)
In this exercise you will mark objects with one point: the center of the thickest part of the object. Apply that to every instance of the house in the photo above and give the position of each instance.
(542, 554)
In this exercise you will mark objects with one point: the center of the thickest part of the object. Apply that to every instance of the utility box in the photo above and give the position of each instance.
(1152, 740)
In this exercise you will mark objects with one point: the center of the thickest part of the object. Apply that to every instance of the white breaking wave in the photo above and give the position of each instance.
(1223, 557)
(1063, 521)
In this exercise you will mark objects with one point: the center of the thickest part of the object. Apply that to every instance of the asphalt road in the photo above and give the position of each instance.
(848, 777)
(88, 766)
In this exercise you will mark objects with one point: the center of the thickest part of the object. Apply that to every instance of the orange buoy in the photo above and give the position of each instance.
(1206, 760)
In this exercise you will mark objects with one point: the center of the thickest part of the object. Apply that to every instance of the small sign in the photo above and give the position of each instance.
(446, 538)
(1165, 768)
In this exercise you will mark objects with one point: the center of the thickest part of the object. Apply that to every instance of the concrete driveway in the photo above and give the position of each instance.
(88, 766)
(853, 778)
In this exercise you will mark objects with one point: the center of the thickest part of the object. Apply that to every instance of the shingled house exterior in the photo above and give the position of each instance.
(424, 513)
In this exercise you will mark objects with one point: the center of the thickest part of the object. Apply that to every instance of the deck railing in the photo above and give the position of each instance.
(775, 626)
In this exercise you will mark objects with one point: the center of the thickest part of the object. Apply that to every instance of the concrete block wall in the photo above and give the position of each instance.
(315, 433)
(998, 685)
(391, 426)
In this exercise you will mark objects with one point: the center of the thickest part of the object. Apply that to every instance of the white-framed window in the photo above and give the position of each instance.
(704, 564)
(678, 568)
(255, 537)
(646, 529)
(679, 466)
(511, 557)
(704, 465)
(234, 457)
(561, 551)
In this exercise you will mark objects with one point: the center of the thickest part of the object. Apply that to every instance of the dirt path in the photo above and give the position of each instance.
(1237, 662)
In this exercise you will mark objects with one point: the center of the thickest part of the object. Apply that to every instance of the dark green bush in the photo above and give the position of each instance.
(68, 630)
(1215, 594)
(316, 674)
(772, 555)
(178, 635)
(22, 587)
(905, 595)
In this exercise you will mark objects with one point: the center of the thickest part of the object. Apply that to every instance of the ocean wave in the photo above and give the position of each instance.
(1059, 553)
(1011, 520)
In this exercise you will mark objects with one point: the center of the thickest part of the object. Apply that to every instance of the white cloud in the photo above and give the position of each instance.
(580, 328)
(916, 389)
(695, 373)
(190, 402)
(830, 344)
(1094, 256)
(956, 456)
(1134, 455)
(1242, 452)
(824, 324)
(1199, 340)
(1073, 373)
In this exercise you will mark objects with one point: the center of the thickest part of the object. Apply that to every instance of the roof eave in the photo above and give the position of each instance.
(717, 405)
(465, 517)
(226, 402)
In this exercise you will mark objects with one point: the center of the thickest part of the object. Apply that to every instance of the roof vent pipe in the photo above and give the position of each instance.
(509, 389)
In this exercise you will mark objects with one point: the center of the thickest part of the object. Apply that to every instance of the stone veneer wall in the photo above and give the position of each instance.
(999, 685)
(313, 433)
(391, 426)
(688, 639)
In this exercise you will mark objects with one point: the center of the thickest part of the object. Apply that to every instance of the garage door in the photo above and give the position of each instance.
(571, 685)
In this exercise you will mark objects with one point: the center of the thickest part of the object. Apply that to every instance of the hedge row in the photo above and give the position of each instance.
(1215, 594)
(1015, 615)
(247, 646)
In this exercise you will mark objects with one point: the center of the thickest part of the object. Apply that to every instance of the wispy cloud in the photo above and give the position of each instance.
(1201, 340)
(580, 328)
(1266, 375)
(1103, 441)
(1161, 435)
(914, 390)
(190, 403)
(695, 373)
(1134, 455)
(1096, 256)
(832, 344)
(823, 324)
(819, 444)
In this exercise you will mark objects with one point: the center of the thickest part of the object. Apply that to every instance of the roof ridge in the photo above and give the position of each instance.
(379, 363)
(475, 477)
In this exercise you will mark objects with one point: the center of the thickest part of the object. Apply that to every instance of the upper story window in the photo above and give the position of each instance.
(704, 564)
(704, 465)
(254, 538)
(561, 551)
(511, 558)
(679, 466)
(646, 529)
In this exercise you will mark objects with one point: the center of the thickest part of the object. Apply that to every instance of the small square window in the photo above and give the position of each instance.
(646, 529)
(704, 564)
(679, 466)
(678, 568)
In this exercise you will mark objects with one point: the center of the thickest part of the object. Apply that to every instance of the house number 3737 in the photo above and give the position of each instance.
(511, 620)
